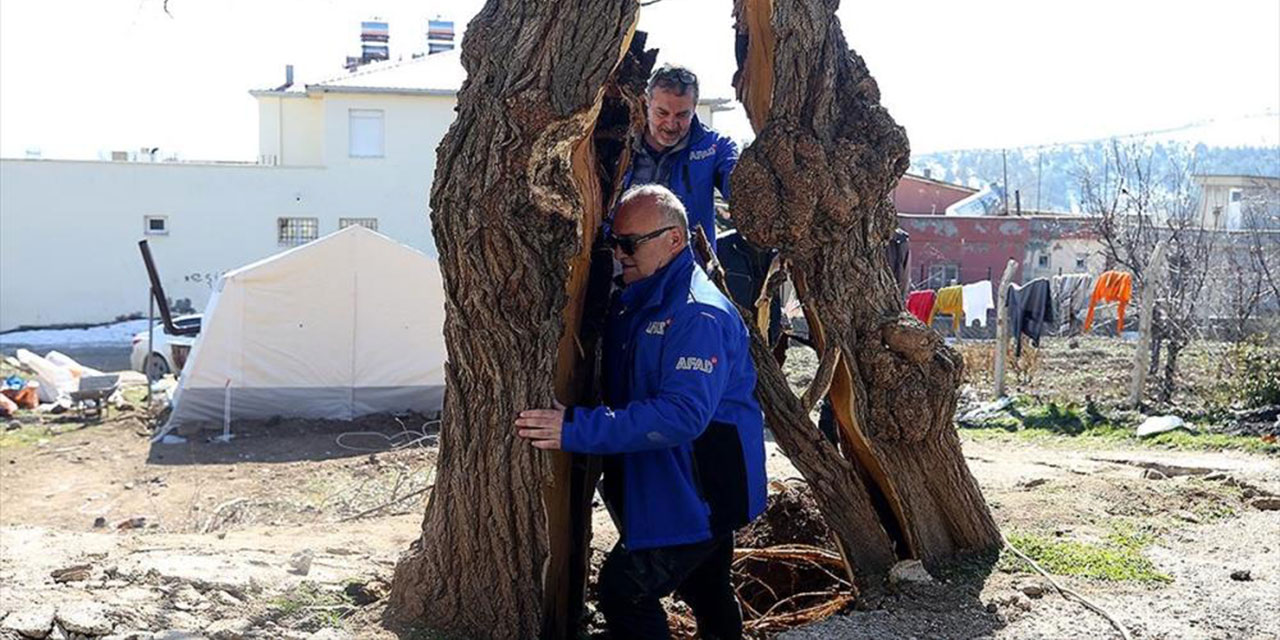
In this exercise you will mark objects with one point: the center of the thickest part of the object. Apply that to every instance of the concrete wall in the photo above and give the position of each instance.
(291, 130)
(70, 254)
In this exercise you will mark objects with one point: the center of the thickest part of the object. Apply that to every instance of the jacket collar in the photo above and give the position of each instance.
(653, 291)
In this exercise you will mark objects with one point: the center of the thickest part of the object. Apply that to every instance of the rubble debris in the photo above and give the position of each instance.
(365, 593)
(1266, 503)
(136, 522)
(1032, 589)
(74, 573)
(300, 562)
(85, 618)
(231, 629)
(225, 599)
(909, 571)
(32, 622)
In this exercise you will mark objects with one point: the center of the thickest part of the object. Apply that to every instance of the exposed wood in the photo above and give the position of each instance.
(816, 185)
(1002, 326)
(516, 201)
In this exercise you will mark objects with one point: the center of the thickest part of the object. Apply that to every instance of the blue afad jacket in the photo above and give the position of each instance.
(705, 162)
(681, 413)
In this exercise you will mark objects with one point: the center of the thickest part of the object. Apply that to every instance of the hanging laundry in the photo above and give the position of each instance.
(977, 299)
(920, 304)
(1071, 295)
(951, 302)
(1113, 286)
(898, 254)
(1030, 311)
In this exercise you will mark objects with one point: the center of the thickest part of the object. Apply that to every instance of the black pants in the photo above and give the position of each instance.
(632, 582)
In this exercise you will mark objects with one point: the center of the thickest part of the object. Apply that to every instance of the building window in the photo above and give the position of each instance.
(155, 225)
(1044, 260)
(366, 133)
(1236, 195)
(1080, 261)
(295, 231)
(368, 223)
(942, 275)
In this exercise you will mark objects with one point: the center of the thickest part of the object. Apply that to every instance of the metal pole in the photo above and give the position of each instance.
(151, 325)
(1002, 325)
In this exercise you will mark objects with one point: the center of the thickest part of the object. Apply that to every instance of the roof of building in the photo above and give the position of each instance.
(940, 183)
(1222, 177)
(436, 74)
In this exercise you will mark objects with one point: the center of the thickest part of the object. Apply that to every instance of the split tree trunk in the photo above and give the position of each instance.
(816, 184)
(517, 201)
(523, 178)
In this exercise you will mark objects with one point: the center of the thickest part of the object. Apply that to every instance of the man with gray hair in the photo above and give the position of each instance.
(678, 152)
(681, 432)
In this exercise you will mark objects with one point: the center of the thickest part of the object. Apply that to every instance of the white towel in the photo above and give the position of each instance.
(977, 299)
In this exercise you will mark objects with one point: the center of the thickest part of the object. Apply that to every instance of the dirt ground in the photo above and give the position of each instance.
(292, 529)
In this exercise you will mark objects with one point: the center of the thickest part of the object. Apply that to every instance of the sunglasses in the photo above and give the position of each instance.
(631, 243)
(683, 76)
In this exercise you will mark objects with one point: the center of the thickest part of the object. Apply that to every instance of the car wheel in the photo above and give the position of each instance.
(156, 367)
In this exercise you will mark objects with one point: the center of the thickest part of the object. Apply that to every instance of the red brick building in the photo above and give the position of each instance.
(968, 248)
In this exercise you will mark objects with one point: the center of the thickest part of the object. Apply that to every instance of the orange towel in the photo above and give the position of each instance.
(1112, 286)
(950, 302)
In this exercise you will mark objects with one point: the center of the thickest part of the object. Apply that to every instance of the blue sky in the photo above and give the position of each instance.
(120, 74)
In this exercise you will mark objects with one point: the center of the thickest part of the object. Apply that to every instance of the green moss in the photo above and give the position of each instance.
(1118, 558)
(1089, 425)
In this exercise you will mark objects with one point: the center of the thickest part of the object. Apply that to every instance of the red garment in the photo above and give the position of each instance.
(920, 304)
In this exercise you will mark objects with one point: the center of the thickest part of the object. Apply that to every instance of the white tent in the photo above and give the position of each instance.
(348, 325)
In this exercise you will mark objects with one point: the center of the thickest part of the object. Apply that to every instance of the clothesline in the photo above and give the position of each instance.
(1036, 304)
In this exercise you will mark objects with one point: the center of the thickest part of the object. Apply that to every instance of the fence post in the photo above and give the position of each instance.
(1151, 283)
(1002, 325)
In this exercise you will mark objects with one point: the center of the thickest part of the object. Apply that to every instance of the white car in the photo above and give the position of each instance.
(160, 361)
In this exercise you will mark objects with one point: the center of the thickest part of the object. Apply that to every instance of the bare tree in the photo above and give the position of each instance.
(1138, 200)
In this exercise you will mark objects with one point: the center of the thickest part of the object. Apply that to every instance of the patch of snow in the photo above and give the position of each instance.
(120, 333)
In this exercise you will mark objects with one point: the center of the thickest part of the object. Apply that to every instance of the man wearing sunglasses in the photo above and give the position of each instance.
(679, 152)
(681, 432)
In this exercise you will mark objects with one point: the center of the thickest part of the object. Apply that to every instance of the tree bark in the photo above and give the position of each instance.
(816, 185)
(517, 200)
(523, 178)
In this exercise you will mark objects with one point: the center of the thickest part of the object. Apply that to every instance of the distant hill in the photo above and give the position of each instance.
(1048, 176)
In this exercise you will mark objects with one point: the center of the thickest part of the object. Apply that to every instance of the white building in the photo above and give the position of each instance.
(357, 149)
(1237, 202)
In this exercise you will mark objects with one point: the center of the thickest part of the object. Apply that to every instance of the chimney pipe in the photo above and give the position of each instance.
(288, 75)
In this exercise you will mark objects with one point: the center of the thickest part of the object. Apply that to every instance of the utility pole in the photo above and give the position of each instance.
(1004, 160)
(1039, 175)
